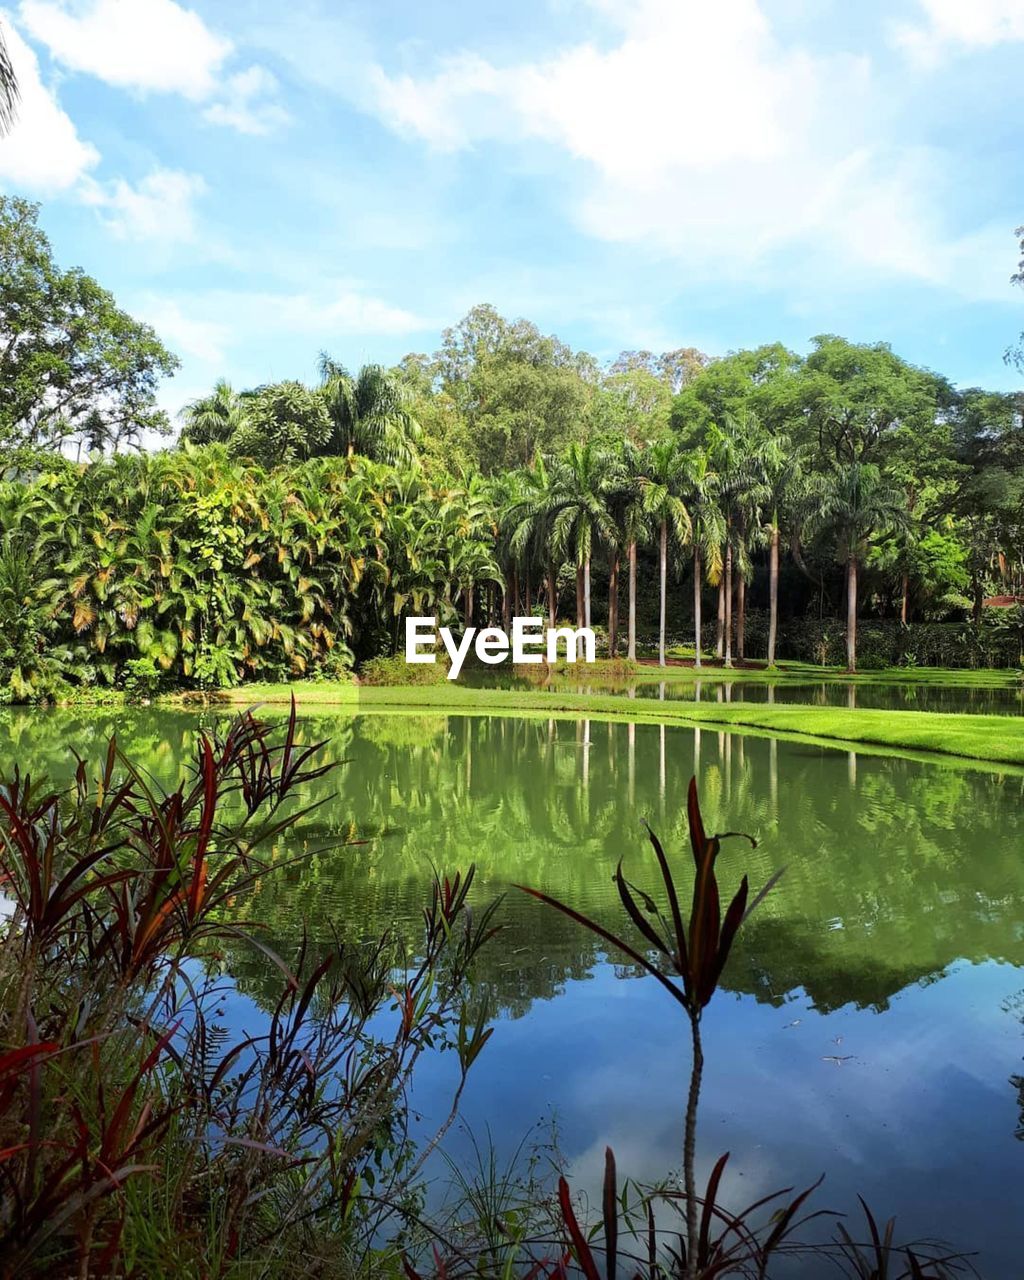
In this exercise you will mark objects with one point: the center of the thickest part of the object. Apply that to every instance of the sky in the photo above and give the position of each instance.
(262, 181)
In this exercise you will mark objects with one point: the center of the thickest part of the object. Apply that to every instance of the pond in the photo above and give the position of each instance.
(870, 1025)
(989, 700)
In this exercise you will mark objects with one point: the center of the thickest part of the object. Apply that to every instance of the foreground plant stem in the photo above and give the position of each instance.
(690, 1147)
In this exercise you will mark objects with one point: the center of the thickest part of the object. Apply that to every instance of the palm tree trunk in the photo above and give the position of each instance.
(663, 565)
(581, 605)
(741, 617)
(720, 635)
(773, 594)
(904, 593)
(851, 614)
(469, 604)
(696, 605)
(586, 592)
(529, 593)
(728, 602)
(631, 649)
(515, 590)
(552, 595)
(613, 607)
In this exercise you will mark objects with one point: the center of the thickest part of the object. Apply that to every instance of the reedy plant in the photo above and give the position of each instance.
(687, 957)
(120, 1097)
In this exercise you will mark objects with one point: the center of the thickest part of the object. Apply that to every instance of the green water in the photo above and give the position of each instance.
(870, 1026)
(1006, 700)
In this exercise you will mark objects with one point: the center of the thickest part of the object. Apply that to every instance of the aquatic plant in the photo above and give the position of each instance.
(137, 1137)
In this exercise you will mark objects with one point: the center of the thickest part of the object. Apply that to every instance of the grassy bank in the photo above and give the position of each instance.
(993, 739)
(714, 672)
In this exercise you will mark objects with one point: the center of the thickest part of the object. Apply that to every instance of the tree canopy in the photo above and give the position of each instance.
(296, 521)
(73, 365)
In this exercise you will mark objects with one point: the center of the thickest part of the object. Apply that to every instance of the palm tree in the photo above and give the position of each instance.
(370, 412)
(215, 418)
(529, 519)
(728, 446)
(9, 93)
(708, 531)
(665, 476)
(581, 515)
(468, 526)
(855, 503)
(633, 525)
(779, 465)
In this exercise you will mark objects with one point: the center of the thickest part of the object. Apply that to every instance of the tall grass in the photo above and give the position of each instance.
(138, 1138)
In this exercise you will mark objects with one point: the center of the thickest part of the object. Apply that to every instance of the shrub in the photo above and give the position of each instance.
(396, 671)
(883, 642)
(135, 1136)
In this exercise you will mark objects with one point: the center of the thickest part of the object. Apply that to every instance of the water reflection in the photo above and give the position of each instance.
(899, 926)
(831, 692)
(874, 843)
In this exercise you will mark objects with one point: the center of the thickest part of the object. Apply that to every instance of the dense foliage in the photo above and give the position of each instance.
(192, 567)
(74, 368)
(138, 1137)
(293, 526)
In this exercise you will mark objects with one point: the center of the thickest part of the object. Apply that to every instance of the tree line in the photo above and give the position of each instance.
(291, 526)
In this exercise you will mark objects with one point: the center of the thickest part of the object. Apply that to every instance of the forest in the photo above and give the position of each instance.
(842, 506)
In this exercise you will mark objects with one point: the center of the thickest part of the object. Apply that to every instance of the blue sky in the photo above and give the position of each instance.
(262, 180)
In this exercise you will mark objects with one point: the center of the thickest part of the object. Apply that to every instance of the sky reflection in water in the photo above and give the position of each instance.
(894, 942)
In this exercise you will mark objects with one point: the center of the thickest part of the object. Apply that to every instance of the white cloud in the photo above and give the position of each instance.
(206, 325)
(159, 207)
(696, 132)
(205, 340)
(688, 83)
(217, 330)
(349, 312)
(155, 46)
(43, 153)
(951, 24)
(133, 44)
(247, 103)
(336, 310)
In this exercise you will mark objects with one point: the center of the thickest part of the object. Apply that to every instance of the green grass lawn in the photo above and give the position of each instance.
(992, 739)
(797, 673)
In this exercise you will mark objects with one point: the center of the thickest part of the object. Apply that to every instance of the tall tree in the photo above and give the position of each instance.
(708, 531)
(370, 413)
(632, 524)
(582, 517)
(529, 516)
(761, 381)
(856, 504)
(1015, 353)
(730, 447)
(521, 392)
(73, 366)
(215, 418)
(860, 399)
(282, 422)
(664, 482)
(780, 470)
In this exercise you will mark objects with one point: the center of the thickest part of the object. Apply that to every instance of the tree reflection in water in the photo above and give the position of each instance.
(898, 872)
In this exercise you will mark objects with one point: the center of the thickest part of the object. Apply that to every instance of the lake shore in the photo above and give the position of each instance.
(991, 739)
